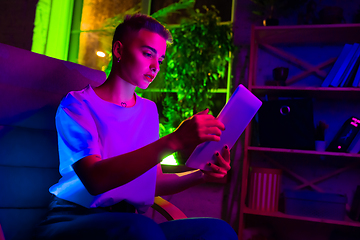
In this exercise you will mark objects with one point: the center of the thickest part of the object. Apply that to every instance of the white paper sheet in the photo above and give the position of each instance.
(235, 115)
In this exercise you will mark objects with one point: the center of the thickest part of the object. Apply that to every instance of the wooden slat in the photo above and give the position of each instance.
(295, 60)
(329, 175)
(347, 222)
(309, 71)
(305, 181)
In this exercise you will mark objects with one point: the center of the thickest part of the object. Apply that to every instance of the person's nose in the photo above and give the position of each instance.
(155, 66)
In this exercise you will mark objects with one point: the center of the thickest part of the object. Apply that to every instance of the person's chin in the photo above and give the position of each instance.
(143, 86)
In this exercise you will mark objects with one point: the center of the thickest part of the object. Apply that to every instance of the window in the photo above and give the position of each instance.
(97, 31)
(225, 8)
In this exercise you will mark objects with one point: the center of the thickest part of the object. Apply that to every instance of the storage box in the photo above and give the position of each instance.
(287, 123)
(315, 204)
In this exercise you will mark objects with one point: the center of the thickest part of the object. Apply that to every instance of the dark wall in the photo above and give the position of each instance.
(17, 22)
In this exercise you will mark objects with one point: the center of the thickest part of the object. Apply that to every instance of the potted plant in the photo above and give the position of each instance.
(195, 64)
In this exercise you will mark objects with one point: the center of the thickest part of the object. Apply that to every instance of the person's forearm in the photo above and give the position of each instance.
(103, 175)
(171, 183)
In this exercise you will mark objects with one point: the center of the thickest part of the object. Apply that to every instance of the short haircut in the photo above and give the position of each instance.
(137, 22)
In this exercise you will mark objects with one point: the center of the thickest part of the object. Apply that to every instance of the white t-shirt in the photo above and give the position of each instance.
(87, 125)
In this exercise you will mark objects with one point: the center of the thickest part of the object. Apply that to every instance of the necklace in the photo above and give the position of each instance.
(123, 104)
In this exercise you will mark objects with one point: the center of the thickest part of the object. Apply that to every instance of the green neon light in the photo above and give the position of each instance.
(41, 26)
(59, 29)
(52, 28)
(170, 160)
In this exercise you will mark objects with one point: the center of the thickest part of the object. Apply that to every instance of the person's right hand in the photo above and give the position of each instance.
(197, 129)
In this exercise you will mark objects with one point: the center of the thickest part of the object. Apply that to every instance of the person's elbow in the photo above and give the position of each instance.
(93, 189)
(91, 185)
(85, 169)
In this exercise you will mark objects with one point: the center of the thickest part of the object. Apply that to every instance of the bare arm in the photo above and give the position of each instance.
(171, 183)
(101, 175)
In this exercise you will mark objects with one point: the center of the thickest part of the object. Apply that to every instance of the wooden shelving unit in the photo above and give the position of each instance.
(330, 33)
(270, 38)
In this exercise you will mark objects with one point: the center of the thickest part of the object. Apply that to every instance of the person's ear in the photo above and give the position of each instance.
(118, 47)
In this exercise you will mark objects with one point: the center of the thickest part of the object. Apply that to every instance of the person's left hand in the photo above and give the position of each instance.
(222, 166)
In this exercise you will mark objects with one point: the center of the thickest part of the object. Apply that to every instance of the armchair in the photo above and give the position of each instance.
(31, 87)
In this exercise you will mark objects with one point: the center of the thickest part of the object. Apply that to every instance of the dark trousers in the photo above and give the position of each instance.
(69, 221)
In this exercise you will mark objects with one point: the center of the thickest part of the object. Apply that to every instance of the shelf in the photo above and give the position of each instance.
(299, 37)
(318, 92)
(300, 34)
(347, 222)
(305, 152)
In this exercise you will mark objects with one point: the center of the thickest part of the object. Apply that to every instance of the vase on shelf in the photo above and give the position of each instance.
(271, 22)
(331, 15)
(280, 75)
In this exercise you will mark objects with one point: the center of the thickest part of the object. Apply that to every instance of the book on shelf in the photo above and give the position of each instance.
(356, 82)
(354, 213)
(355, 145)
(350, 71)
(340, 72)
(337, 65)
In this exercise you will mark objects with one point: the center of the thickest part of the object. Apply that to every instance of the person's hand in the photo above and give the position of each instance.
(197, 129)
(222, 166)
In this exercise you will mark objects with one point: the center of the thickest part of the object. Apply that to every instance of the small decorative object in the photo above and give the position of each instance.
(271, 22)
(320, 136)
(280, 74)
(320, 146)
(310, 13)
(331, 15)
(356, 17)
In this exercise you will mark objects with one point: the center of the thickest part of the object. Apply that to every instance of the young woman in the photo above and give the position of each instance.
(110, 151)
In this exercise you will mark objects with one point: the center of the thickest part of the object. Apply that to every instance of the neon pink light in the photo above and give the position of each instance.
(355, 122)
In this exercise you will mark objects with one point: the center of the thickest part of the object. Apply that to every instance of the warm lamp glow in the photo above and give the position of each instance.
(100, 54)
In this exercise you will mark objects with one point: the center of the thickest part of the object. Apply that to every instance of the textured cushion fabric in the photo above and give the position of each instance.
(28, 147)
(35, 71)
(24, 187)
(27, 107)
(28, 167)
(31, 88)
